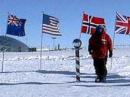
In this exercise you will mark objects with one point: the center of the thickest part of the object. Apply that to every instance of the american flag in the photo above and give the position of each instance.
(122, 25)
(90, 23)
(50, 25)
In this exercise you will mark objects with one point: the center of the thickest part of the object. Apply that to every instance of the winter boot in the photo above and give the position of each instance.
(103, 79)
(97, 79)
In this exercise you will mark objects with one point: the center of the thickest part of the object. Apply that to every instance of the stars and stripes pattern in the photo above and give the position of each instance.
(122, 25)
(50, 25)
(89, 23)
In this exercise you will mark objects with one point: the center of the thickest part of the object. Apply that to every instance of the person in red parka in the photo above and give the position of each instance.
(99, 45)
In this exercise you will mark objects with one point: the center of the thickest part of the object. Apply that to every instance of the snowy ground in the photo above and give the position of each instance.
(22, 77)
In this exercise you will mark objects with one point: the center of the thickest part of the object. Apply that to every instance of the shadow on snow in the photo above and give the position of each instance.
(28, 83)
(86, 78)
(112, 80)
(57, 72)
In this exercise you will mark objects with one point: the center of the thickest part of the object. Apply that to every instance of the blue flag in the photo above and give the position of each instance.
(15, 26)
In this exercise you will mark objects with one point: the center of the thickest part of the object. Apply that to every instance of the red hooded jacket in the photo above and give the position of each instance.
(99, 45)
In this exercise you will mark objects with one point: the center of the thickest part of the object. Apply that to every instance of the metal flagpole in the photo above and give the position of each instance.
(3, 51)
(3, 57)
(41, 53)
(26, 39)
(112, 50)
(41, 49)
(81, 26)
(53, 38)
(113, 46)
(80, 35)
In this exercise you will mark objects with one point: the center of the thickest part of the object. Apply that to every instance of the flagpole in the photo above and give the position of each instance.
(53, 38)
(81, 25)
(3, 52)
(3, 56)
(114, 40)
(113, 46)
(112, 49)
(41, 52)
(114, 35)
(41, 48)
(26, 39)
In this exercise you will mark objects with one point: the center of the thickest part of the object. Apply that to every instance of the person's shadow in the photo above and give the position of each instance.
(87, 79)
(112, 80)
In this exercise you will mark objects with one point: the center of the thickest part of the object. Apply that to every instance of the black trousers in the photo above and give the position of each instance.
(100, 67)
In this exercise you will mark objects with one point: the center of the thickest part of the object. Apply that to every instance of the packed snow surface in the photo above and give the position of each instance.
(24, 77)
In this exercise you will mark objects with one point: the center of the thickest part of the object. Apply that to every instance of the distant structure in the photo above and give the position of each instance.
(12, 45)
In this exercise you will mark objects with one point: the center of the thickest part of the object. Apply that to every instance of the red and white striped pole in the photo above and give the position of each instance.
(77, 44)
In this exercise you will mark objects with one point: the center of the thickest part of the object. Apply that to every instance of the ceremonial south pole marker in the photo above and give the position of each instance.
(77, 44)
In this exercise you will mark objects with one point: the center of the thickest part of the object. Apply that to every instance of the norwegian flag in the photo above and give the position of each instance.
(122, 24)
(90, 23)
